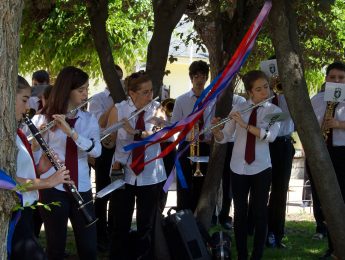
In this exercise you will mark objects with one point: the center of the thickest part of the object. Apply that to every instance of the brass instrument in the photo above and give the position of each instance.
(195, 149)
(168, 106)
(328, 115)
(276, 84)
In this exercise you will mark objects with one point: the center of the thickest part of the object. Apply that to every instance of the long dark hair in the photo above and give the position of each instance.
(22, 84)
(69, 78)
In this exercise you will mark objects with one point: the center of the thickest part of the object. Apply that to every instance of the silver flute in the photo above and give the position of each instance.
(53, 122)
(227, 119)
(118, 125)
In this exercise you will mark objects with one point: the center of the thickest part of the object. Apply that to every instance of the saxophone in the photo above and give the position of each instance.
(328, 115)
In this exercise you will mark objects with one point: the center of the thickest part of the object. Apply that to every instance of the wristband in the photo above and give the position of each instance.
(92, 145)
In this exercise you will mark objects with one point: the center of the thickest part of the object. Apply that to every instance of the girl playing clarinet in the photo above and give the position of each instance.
(24, 242)
(73, 138)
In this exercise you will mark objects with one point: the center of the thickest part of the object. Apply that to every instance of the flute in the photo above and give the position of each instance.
(227, 119)
(71, 188)
(53, 122)
(118, 125)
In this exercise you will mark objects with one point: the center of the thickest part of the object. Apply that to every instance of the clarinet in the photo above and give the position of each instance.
(71, 188)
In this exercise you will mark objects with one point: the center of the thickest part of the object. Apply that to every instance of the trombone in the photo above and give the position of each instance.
(53, 122)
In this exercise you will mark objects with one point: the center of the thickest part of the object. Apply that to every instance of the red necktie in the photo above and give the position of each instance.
(27, 146)
(71, 155)
(139, 152)
(250, 145)
(275, 100)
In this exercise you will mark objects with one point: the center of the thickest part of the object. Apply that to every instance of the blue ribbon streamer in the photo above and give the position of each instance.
(7, 183)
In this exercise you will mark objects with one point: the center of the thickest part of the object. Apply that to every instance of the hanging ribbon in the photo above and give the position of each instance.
(209, 94)
(7, 183)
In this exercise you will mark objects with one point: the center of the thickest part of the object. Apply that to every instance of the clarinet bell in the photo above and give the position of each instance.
(88, 218)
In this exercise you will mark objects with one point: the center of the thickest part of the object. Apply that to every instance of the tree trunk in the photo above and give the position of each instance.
(98, 15)
(285, 41)
(10, 19)
(166, 16)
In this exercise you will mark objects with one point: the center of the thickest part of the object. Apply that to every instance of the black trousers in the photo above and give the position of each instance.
(24, 243)
(168, 165)
(55, 224)
(337, 154)
(188, 198)
(317, 211)
(146, 199)
(226, 185)
(102, 170)
(258, 186)
(282, 152)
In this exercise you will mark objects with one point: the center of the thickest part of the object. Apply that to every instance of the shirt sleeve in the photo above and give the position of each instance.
(95, 107)
(228, 130)
(85, 143)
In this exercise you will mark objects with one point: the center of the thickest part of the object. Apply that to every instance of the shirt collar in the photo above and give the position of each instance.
(107, 92)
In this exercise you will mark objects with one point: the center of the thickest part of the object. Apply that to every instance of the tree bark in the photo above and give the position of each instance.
(98, 15)
(10, 19)
(285, 41)
(166, 16)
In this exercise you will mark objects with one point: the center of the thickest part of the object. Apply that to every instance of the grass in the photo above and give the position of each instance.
(298, 241)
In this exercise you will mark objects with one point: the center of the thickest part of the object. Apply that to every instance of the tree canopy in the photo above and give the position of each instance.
(59, 34)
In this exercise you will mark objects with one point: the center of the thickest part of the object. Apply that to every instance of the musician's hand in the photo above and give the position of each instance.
(109, 141)
(214, 121)
(35, 145)
(128, 128)
(59, 177)
(332, 123)
(44, 164)
(62, 124)
(238, 118)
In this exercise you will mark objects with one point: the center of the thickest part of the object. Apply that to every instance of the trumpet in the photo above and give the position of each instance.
(118, 125)
(276, 84)
(53, 122)
(196, 145)
(227, 119)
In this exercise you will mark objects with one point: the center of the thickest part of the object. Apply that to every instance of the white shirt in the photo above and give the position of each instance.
(236, 99)
(100, 103)
(319, 106)
(87, 127)
(26, 169)
(287, 126)
(34, 103)
(262, 153)
(184, 105)
(153, 172)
